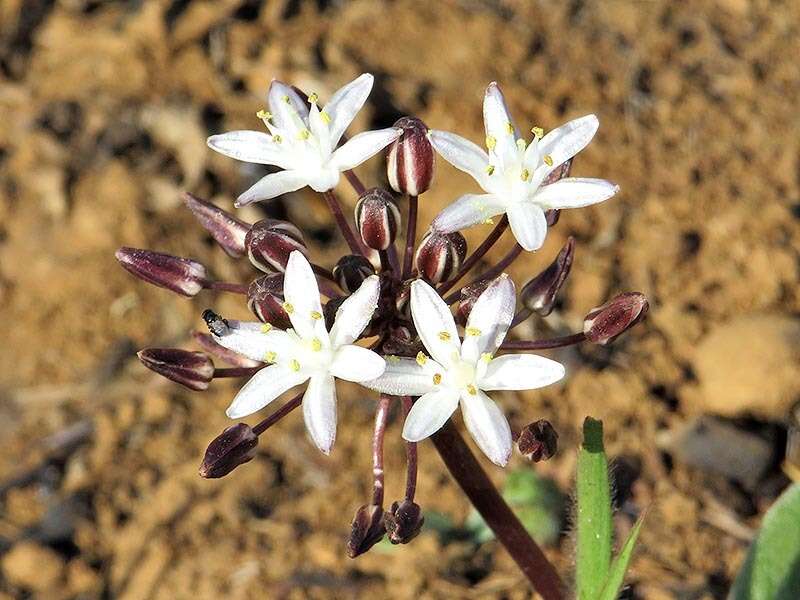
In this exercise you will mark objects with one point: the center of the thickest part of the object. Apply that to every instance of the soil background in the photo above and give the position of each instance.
(105, 110)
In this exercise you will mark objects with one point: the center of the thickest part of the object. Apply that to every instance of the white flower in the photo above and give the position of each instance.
(302, 140)
(308, 352)
(462, 371)
(512, 173)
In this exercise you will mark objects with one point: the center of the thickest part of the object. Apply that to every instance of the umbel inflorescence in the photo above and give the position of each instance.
(381, 316)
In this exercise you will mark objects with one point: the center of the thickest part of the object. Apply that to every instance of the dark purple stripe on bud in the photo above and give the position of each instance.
(538, 441)
(558, 173)
(539, 294)
(265, 300)
(469, 294)
(180, 275)
(440, 255)
(367, 530)
(233, 447)
(403, 522)
(193, 370)
(208, 344)
(377, 218)
(351, 271)
(227, 230)
(410, 160)
(604, 323)
(270, 242)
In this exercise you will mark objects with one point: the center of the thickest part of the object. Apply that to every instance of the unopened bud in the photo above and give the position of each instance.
(539, 294)
(329, 310)
(377, 218)
(227, 230)
(270, 242)
(209, 344)
(538, 441)
(193, 370)
(351, 271)
(367, 530)
(265, 300)
(469, 294)
(410, 159)
(556, 174)
(440, 255)
(180, 275)
(605, 323)
(403, 522)
(233, 447)
(552, 216)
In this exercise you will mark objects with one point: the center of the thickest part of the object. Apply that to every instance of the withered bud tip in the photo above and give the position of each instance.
(605, 323)
(539, 294)
(180, 275)
(403, 522)
(193, 370)
(367, 530)
(233, 447)
(538, 441)
(228, 231)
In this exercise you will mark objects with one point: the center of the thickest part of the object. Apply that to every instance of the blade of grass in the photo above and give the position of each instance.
(593, 552)
(616, 574)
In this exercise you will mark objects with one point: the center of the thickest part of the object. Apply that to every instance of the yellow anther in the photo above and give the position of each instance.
(304, 134)
(471, 389)
(473, 331)
(313, 98)
(490, 169)
(510, 127)
(270, 357)
(288, 308)
(444, 336)
(277, 138)
(538, 132)
(393, 358)
(521, 144)
(421, 359)
(491, 142)
(488, 221)
(316, 315)
(264, 115)
(285, 98)
(486, 357)
(525, 175)
(548, 160)
(326, 118)
(316, 344)
(437, 379)
(266, 328)
(294, 365)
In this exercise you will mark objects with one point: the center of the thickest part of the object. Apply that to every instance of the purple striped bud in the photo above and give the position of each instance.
(367, 530)
(351, 271)
(403, 522)
(440, 255)
(556, 174)
(377, 218)
(227, 230)
(539, 294)
(233, 447)
(180, 275)
(410, 159)
(469, 294)
(208, 344)
(270, 242)
(193, 370)
(265, 300)
(605, 323)
(538, 441)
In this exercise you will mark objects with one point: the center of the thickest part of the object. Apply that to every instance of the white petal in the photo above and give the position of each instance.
(345, 104)
(320, 129)
(488, 426)
(354, 363)
(289, 110)
(248, 339)
(361, 147)
(273, 185)
(500, 126)
(355, 313)
(302, 297)
(521, 372)
(402, 377)
(428, 414)
(490, 319)
(566, 141)
(263, 388)
(574, 192)
(528, 224)
(319, 411)
(434, 323)
(249, 146)
(462, 154)
(469, 210)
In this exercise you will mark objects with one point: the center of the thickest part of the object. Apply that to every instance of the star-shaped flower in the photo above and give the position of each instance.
(308, 352)
(513, 173)
(302, 140)
(459, 371)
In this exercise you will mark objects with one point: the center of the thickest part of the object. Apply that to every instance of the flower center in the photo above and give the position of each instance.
(463, 375)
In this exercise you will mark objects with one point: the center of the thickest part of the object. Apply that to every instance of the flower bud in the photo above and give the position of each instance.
(440, 255)
(403, 522)
(329, 310)
(538, 441)
(552, 216)
(604, 323)
(270, 242)
(351, 271)
(180, 275)
(539, 294)
(207, 343)
(556, 174)
(377, 218)
(367, 530)
(410, 159)
(469, 294)
(231, 448)
(193, 370)
(227, 230)
(265, 300)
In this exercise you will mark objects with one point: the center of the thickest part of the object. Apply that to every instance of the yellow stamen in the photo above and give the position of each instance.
(270, 357)
(316, 344)
(288, 308)
(421, 359)
(538, 132)
(316, 315)
(471, 389)
(304, 134)
(326, 118)
(294, 365)
(444, 336)
(437, 379)
(264, 115)
(313, 98)
(486, 357)
(488, 221)
(548, 160)
(491, 142)
(285, 98)
(393, 358)
(525, 175)
(277, 138)
(490, 169)
(473, 331)
(509, 127)
(521, 144)
(266, 328)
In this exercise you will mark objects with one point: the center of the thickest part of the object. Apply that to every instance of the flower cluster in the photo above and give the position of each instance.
(386, 322)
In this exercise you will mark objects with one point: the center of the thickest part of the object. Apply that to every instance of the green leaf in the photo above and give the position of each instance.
(593, 551)
(772, 568)
(616, 574)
